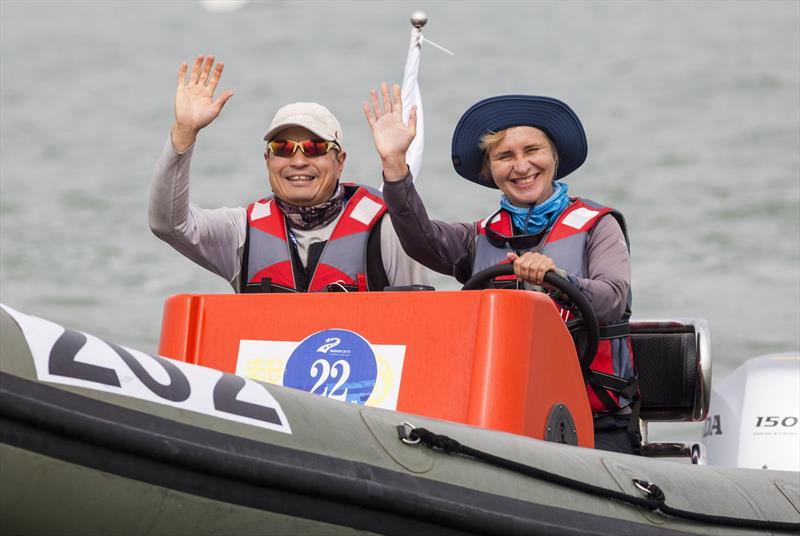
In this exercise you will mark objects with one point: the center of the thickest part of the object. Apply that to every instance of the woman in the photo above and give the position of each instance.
(523, 145)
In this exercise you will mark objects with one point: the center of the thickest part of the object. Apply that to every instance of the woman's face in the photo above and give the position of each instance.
(523, 165)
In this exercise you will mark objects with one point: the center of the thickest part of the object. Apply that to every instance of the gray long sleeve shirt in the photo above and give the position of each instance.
(449, 249)
(214, 238)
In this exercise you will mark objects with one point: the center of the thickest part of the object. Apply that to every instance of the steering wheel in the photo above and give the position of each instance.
(481, 281)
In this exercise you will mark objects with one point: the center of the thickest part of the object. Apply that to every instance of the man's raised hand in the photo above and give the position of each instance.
(194, 107)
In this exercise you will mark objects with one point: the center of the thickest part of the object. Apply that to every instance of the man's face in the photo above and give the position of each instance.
(301, 180)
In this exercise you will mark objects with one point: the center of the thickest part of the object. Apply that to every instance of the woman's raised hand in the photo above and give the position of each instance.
(391, 136)
(194, 107)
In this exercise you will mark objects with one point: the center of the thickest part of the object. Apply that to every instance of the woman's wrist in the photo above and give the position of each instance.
(394, 168)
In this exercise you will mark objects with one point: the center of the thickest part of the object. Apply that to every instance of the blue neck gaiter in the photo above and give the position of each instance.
(540, 217)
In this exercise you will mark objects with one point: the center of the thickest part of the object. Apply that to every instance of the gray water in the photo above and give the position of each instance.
(692, 110)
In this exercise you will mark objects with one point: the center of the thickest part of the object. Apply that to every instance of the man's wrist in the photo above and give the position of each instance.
(182, 137)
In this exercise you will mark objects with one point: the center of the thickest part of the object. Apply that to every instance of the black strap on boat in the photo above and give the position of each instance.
(614, 331)
(265, 286)
(598, 381)
(593, 381)
(629, 389)
(626, 388)
(607, 331)
(655, 498)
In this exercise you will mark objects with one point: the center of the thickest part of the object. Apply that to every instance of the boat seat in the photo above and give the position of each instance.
(673, 361)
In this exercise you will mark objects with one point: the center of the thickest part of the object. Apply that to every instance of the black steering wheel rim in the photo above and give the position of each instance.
(482, 279)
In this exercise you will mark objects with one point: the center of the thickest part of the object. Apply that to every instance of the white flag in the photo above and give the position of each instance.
(412, 97)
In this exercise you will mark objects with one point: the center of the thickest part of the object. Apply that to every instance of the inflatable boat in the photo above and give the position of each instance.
(407, 412)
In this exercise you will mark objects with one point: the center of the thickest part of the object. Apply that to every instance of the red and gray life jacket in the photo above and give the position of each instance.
(271, 262)
(565, 243)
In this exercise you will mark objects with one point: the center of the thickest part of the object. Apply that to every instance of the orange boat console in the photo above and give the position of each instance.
(497, 359)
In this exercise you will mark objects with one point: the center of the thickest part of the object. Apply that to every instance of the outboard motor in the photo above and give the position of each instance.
(753, 420)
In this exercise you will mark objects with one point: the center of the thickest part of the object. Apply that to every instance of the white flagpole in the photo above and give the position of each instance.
(411, 95)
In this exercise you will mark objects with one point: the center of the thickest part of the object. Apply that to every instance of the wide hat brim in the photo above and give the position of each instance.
(494, 114)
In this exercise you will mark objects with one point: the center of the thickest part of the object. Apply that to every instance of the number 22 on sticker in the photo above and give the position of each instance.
(326, 371)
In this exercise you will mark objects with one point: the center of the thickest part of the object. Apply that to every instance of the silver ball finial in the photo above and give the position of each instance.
(419, 19)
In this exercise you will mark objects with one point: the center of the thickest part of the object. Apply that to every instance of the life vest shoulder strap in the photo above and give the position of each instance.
(377, 279)
(364, 208)
(499, 221)
(581, 216)
(266, 216)
(376, 276)
(578, 217)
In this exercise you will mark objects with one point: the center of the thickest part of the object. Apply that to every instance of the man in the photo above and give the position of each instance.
(313, 234)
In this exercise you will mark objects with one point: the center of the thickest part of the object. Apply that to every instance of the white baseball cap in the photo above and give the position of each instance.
(309, 115)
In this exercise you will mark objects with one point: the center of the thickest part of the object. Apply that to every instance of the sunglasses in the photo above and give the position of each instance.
(515, 242)
(310, 148)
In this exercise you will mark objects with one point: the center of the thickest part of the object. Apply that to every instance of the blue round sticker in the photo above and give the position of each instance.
(334, 363)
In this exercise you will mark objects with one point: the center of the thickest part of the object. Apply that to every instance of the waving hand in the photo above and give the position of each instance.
(392, 137)
(194, 107)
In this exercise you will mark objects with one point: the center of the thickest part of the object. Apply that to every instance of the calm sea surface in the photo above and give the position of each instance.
(692, 111)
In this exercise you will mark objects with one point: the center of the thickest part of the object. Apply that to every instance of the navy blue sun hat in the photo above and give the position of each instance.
(494, 114)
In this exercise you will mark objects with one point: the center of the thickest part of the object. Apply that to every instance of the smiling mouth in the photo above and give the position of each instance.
(525, 180)
(300, 178)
